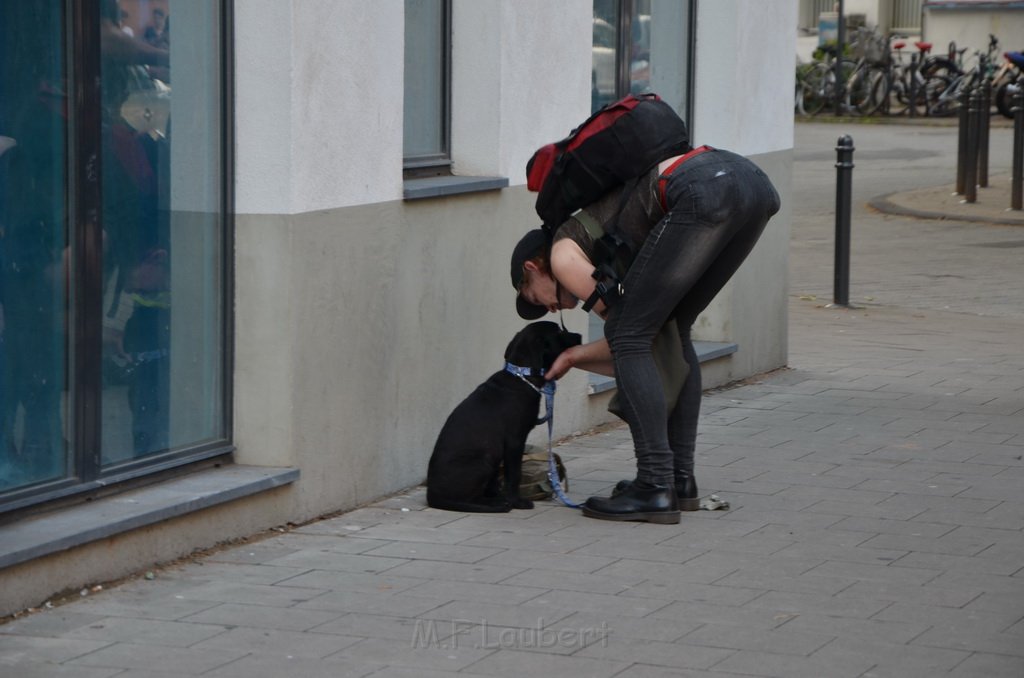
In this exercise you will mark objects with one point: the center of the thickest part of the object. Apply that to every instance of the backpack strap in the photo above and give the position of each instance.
(612, 255)
(606, 246)
(593, 228)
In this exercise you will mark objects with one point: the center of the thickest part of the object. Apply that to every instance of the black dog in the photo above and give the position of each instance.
(488, 429)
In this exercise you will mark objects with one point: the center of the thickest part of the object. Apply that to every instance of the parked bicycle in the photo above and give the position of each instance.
(898, 85)
(1011, 71)
(943, 89)
(881, 79)
(816, 81)
(872, 52)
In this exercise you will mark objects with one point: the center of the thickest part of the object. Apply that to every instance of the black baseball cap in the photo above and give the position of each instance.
(529, 246)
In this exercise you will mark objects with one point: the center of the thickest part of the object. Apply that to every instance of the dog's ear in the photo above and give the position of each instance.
(551, 346)
(513, 347)
(526, 347)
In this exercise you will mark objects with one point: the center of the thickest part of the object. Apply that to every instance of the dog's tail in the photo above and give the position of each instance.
(483, 505)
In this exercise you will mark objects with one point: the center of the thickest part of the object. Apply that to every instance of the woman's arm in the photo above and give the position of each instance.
(574, 272)
(593, 357)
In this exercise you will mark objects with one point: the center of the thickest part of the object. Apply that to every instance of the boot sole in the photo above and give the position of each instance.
(659, 517)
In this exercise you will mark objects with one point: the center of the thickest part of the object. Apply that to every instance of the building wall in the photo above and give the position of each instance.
(739, 105)
(362, 319)
(971, 28)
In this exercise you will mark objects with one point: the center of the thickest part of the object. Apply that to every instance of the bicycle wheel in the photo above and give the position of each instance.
(937, 65)
(857, 91)
(853, 91)
(928, 92)
(817, 88)
(802, 70)
(1004, 98)
(873, 90)
(942, 95)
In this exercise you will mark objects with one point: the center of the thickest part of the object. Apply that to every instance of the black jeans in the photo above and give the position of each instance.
(718, 204)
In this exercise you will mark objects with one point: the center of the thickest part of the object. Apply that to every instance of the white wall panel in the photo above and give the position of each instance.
(263, 71)
(521, 77)
(319, 114)
(745, 77)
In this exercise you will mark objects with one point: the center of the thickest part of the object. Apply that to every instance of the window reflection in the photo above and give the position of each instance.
(653, 59)
(136, 248)
(425, 117)
(33, 239)
(163, 226)
(162, 311)
(640, 48)
(603, 86)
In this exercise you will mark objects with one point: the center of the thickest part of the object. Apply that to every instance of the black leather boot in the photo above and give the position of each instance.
(639, 501)
(686, 490)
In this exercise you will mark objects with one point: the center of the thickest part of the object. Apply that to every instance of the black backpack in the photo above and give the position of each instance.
(615, 145)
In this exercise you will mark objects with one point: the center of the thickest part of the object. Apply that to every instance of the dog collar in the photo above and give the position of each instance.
(520, 371)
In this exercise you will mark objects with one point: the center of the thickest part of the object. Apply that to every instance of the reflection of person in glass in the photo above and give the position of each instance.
(136, 253)
(32, 236)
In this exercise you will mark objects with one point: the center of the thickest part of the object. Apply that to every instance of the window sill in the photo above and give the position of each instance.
(433, 187)
(48, 533)
(706, 351)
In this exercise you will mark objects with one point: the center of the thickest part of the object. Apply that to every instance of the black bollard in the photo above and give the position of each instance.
(961, 148)
(1017, 182)
(844, 189)
(984, 123)
(971, 178)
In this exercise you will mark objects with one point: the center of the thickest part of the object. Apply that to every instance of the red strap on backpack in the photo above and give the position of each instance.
(663, 177)
(616, 144)
(543, 160)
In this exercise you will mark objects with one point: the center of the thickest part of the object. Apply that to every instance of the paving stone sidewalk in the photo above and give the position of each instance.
(875, 528)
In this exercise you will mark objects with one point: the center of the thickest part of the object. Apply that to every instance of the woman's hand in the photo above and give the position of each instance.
(593, 357)
(563, 363)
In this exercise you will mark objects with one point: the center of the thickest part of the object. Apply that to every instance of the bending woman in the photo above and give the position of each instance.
(691, 221)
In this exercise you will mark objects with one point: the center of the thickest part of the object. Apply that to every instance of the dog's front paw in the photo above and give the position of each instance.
(520, 503)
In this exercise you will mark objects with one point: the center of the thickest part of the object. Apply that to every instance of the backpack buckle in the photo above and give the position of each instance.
(608, 289)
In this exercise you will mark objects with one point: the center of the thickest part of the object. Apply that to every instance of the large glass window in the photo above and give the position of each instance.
(426, 118)
(112, 241)
(33, 244)
(641, 46)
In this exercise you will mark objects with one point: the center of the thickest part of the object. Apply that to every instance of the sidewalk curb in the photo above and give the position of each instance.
(889, 204)
(885, 205)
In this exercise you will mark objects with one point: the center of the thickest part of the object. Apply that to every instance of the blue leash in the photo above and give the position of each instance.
(548, 391)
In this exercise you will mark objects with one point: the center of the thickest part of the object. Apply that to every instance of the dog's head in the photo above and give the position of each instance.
(538, 344)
